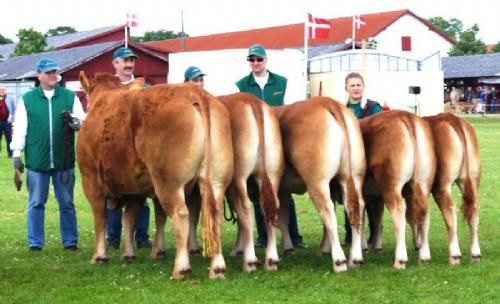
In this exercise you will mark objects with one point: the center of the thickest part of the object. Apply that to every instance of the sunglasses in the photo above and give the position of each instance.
(258, 59)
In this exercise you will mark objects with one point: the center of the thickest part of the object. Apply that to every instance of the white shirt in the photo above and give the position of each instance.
(20, 127)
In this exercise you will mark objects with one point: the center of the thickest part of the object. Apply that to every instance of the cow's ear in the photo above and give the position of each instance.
(84, 81)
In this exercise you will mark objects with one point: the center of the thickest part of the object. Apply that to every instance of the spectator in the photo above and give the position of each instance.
(44, 125)
(7, 112)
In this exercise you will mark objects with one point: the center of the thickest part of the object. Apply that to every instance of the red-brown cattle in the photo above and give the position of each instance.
(457, 153)
(153, 142)
(258, 154)
(322, 142)
(400, 153)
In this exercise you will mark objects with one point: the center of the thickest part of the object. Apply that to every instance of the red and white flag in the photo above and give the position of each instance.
(358, 21)
(319, 28)
(132, 20)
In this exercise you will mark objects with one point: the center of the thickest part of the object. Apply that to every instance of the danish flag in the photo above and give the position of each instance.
(358, 21)
(319, 28)
(132, 20)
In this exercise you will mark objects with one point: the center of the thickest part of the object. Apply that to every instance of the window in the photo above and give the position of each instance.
(406, 43)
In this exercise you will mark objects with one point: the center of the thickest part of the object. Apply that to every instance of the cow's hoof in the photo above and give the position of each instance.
(340, 266)
(180, 275)
(129, 258)
(400, 264)
(356, 263)
(236, 253)
(424, 261)
(217, 273)
(158, 255)
(475, 258)
(250, 266)
(454, 260)
(271, 265)
(100, 260)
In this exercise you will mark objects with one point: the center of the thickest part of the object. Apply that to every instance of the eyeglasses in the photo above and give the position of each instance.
(258, 59)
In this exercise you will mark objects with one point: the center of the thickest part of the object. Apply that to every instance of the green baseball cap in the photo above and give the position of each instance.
(257, 50)
(124, 53)
(192, 72)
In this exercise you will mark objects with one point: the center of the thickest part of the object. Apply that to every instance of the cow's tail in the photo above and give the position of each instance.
(469, 192)
(267, 197)
(211, 238)
(419, 204)
(352, 194)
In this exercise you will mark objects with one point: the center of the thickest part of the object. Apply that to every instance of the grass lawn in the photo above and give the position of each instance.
(57, 276)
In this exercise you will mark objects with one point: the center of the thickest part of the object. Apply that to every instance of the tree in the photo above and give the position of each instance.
(496, 48)
(468, 44)
(452, 27)
(158, 35)
(4, 40)
(60, 30)
(30, 42)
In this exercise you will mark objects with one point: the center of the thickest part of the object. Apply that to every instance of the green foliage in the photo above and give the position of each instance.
(60, 30)
(496, 48)
(5, 40)
(452, 27)
(30, 42)
(57, 276)
(158, 35)
(468, 44)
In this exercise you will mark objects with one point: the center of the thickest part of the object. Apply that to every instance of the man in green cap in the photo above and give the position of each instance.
(271, 88)
(195, 76)
(124, 63)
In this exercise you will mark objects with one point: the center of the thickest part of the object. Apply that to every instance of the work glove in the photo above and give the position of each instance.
(73, 122)
(18, 164)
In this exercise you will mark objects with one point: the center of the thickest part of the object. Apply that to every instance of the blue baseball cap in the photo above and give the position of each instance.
(46, 65)
(124, 53)
(192, 72)
(257, 50)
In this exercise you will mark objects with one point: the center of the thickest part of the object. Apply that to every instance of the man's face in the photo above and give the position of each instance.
(355, 88)
(198, 81)
(48, 80)
(257, 64)
(2, 91)
(124, 67)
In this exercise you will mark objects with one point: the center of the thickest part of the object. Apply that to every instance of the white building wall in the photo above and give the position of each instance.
(424, 41)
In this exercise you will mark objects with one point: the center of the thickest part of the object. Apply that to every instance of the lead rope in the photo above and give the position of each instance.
(66, 148)
(231, 217)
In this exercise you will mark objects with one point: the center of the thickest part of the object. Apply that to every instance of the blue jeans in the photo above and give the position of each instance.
(38, 190)
(6, 129)
(115, 224)
(293, 227)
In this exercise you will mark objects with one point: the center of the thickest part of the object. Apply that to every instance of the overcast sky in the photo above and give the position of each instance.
(202, 17)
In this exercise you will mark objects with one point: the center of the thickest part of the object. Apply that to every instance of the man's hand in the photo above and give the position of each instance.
(18, 164)
(73, 122)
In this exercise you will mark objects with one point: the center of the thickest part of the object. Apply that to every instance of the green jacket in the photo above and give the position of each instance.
(274, 90)
(371, 107)
(45, 134)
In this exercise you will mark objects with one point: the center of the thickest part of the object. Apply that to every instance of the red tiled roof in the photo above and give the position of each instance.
(287, 36)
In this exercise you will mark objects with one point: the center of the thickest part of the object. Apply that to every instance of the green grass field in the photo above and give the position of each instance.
(57, 276)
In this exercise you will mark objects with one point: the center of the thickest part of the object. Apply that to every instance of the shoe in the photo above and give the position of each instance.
(300, 245)
(260, 244)
(35, 248)
(144, 244)
(113, 243)
(72, 248)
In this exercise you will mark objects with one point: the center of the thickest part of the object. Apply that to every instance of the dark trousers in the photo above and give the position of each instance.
(293, 227)
(115, 224)
(6, 129)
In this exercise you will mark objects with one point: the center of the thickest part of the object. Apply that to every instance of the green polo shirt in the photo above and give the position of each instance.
(274, 90)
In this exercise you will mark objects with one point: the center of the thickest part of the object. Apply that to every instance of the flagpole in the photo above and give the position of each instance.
(183, 43)
(126, 35)
(306, 51)
(353, 32)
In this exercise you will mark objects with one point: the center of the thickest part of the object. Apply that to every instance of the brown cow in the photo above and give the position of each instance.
(152, 142)
(322, 141)
(399, 150)
(258, 154)
(457, 153)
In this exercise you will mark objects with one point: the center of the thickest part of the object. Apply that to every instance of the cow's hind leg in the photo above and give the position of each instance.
(470, 209)
(320, 195)
(98, 204)
(158, 250)
(193, 202)
(375, 212)
(129, 221)
(397, 207)
(217, 264)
